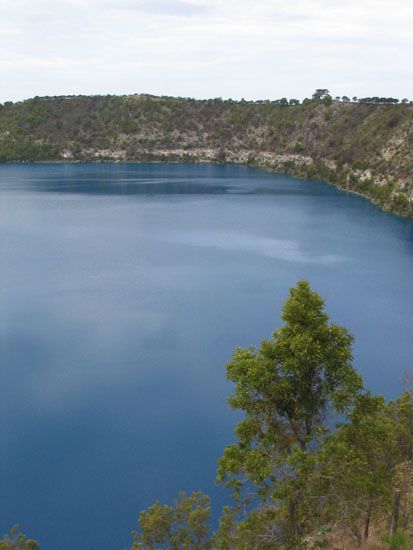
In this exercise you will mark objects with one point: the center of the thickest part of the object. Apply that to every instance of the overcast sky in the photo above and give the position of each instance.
(206, 48)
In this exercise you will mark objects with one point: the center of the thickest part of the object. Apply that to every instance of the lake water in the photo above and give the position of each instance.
(125, 289)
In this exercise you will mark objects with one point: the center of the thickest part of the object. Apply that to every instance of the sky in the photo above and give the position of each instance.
(256, 49)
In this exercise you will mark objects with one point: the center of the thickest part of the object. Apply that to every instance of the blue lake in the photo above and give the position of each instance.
(124, 290)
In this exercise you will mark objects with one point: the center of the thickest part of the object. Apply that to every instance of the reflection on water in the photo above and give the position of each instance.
(139, 187)
(149, 179)
(125, 288)
(281, 249)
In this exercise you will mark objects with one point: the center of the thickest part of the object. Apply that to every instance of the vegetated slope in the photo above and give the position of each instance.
(366, 148)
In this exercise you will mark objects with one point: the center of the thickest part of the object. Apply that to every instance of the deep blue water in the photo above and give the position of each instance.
(125, 289)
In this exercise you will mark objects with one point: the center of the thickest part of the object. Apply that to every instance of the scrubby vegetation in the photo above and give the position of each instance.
(365, 146)
(318, 461)
(15, 540)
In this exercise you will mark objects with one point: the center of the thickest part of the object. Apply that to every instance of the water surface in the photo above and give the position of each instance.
(125, 289)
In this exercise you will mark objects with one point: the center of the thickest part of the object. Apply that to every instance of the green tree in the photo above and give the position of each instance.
(358, 465)
(397, 541)
(15, 540)
(401, 411)
(286, 389)
(298, 478)
(320, 94)
(257, 531)
(182, 526)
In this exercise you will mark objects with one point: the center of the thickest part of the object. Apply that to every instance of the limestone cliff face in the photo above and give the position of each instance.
(363, 148)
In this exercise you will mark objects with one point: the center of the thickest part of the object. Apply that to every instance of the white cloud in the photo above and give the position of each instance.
(237, 48)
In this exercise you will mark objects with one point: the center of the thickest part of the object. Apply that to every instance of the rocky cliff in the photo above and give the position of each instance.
(364, 148)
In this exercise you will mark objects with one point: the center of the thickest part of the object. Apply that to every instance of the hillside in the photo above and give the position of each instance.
(361, 147)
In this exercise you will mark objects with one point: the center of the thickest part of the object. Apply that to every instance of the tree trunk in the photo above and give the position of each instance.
(395, 512)
(291, 521)
(367, 522)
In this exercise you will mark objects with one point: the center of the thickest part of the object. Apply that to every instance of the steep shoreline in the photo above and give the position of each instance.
(364, 149)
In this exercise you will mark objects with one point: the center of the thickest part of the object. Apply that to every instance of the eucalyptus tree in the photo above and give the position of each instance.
(320, 93)
(16, 540)
(358, 467)
(184, 525)
(287, 388)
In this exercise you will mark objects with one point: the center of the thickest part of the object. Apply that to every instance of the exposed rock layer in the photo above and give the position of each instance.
(363, 148)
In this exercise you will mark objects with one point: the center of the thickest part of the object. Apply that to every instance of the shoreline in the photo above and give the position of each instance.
(294, 172)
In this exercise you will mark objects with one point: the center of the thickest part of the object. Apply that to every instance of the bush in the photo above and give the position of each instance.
(398, 541)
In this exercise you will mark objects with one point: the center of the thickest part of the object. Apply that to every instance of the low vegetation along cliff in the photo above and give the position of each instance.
(363, 146)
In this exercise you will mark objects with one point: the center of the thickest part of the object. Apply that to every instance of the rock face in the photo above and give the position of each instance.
(364, 148)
